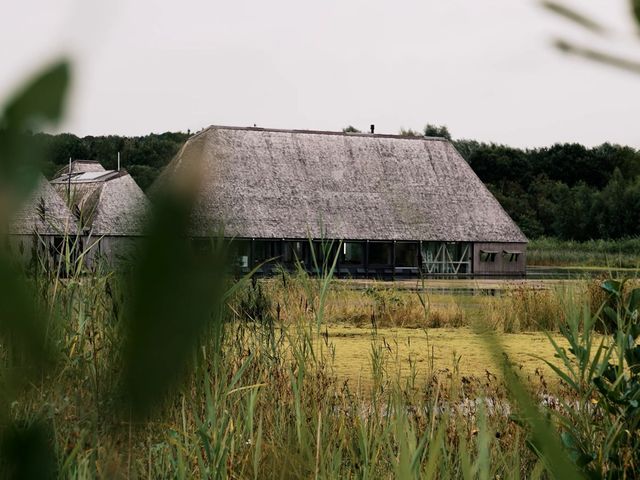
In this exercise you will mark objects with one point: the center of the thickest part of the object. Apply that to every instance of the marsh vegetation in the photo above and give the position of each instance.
(309, 377)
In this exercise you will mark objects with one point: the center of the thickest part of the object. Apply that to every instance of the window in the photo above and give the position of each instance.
(488, 256)
(352, 253)
(511, 257)
(380, 253)
(293, 252)
(240, 250)
(406, 254)
(325, 252)
(265, 250)
(446, 257)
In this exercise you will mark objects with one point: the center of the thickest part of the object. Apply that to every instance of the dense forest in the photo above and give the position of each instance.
(566, 191)
(143, 157)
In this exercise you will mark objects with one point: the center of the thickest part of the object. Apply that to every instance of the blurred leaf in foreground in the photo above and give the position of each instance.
(574, 16)
(39, 102)
(22, 325)
(598, 56)
(174, 294)
(27, 454)
(635, 8)
(589, 53)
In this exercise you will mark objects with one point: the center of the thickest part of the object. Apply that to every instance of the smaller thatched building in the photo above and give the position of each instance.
(109, 206)
(42, 228)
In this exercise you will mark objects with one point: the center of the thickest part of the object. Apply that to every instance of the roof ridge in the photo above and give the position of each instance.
(319, 132)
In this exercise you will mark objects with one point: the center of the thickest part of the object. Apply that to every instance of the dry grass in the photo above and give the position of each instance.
(347, 303)
(517, 306)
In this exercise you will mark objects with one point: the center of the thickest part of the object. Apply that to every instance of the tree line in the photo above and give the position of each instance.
(566, 191)
(143, 157)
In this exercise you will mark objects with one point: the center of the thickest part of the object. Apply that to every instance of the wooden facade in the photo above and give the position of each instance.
(492, 258)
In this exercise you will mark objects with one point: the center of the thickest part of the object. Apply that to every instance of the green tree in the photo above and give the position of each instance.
(437, 131)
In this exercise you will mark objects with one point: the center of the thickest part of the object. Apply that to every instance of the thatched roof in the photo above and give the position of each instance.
(106, 203)
(81, 166)
(261, 183)
(44, 212)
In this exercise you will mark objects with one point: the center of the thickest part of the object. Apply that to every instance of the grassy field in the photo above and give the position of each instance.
(611, 254)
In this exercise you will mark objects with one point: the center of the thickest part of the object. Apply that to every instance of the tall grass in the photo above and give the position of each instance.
(262, 399)
(287, 297)
(261, 403)
(535, 308)
(623, 253)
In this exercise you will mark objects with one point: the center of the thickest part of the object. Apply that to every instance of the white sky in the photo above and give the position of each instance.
(485, 68)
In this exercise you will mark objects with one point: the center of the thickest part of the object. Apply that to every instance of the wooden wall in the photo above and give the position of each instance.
(501, 265)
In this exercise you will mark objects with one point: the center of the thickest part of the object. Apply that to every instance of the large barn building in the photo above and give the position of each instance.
(396, 205)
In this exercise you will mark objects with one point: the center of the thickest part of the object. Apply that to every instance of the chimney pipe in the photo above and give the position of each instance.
(69, 184)
(373, 129)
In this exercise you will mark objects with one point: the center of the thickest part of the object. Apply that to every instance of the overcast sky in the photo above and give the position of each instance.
(484, 68)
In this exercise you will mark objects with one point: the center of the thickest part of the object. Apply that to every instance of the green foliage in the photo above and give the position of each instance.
(27, 453)
(601, 429)
(437, 131)
(144, 175)
(620, 253)
(39, 102)
(175, 296)
(635, 7)
(543, 438)
(350, 129)
(428, 131)
(254, 305)
(25, 450)
(408, 132)
(565, 191)
(143, 157)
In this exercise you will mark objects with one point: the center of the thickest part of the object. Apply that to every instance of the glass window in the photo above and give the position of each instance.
(511, 257)
(353, 253)
(486, 256)
(265, 250)
(240, 251)
(380, 253)
(293, 252)
(325, 252)
(406, 254)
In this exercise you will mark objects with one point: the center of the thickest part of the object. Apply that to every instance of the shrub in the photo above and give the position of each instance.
(601, 429)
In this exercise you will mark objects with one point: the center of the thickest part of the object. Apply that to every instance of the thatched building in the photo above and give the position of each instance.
(399, 205)
(43, 227)
(109, 206)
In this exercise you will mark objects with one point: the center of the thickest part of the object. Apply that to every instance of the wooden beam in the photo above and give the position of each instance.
(252, 254)
(393, 260)
(366, 258)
